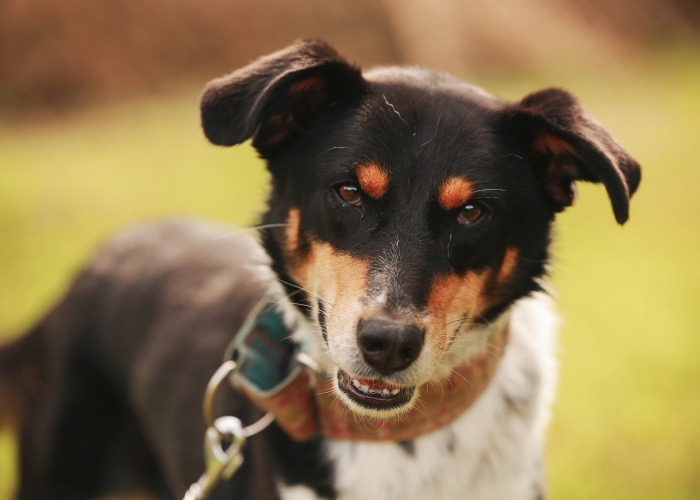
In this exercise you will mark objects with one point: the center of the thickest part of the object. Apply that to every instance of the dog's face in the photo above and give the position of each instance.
(414, 208)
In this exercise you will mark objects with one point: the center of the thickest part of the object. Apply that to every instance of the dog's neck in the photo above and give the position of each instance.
(305, 404)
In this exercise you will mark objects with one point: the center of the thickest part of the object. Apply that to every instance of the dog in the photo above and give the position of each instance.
(407, 233)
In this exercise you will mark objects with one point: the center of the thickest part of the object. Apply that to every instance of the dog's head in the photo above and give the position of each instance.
(415, 208)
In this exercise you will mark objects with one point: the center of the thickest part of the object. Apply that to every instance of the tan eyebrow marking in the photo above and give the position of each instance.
(454, 192)
(373, 180)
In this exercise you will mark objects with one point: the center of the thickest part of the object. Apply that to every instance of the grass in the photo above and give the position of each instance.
(626, 421)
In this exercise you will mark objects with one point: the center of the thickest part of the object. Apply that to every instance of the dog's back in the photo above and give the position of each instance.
(150, 313)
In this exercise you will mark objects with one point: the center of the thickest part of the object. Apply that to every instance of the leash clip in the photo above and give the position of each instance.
(220, 463)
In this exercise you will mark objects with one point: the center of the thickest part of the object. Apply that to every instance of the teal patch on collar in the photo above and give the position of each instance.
(264, 350)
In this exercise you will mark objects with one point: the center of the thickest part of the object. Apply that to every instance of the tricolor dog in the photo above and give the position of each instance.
(406, 239)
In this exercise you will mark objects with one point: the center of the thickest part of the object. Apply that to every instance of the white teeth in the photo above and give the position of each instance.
(366, 389)
(358, 385)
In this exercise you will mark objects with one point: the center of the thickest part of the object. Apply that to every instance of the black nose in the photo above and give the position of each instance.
(389, 346)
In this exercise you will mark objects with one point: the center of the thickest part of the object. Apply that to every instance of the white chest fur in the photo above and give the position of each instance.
(493, 451)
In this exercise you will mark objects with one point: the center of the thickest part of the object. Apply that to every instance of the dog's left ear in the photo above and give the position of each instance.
(565, 144)
(274, 99)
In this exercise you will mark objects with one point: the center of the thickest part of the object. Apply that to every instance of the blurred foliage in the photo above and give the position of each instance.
(625, 424)
(58, 54)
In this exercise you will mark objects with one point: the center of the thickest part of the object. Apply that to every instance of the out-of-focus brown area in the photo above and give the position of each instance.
(59, 53)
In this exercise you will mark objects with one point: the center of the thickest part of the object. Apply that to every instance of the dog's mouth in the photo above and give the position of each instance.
(372, 394)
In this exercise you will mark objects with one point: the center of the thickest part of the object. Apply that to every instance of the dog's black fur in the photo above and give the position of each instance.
(111, 381)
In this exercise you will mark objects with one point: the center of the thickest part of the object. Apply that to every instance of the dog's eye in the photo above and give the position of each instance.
(471, 213)
(349, 193)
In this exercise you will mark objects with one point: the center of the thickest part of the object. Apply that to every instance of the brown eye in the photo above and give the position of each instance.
(471, 213)
(349, 193)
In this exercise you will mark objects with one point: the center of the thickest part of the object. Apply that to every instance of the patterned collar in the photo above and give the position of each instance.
(304, 402)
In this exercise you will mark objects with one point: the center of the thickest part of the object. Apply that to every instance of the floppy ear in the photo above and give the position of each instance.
(565, 144)
(276, 98)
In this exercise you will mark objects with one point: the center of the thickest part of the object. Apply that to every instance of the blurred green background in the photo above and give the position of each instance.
(627, 419)
(626, 423)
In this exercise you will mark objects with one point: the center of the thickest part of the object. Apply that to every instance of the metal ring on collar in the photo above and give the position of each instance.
(213, 386)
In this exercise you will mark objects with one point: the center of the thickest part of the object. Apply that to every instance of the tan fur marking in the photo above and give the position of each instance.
(292, 231)
(312, 91)
(454, 192)
(282, 124)
(344, 278)
(373, 180)
(339, 278)
(453, 296)
(509, 262)
(550, 144)
(314, 87)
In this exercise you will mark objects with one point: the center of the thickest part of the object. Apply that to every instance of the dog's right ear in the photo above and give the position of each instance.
(277, 97)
